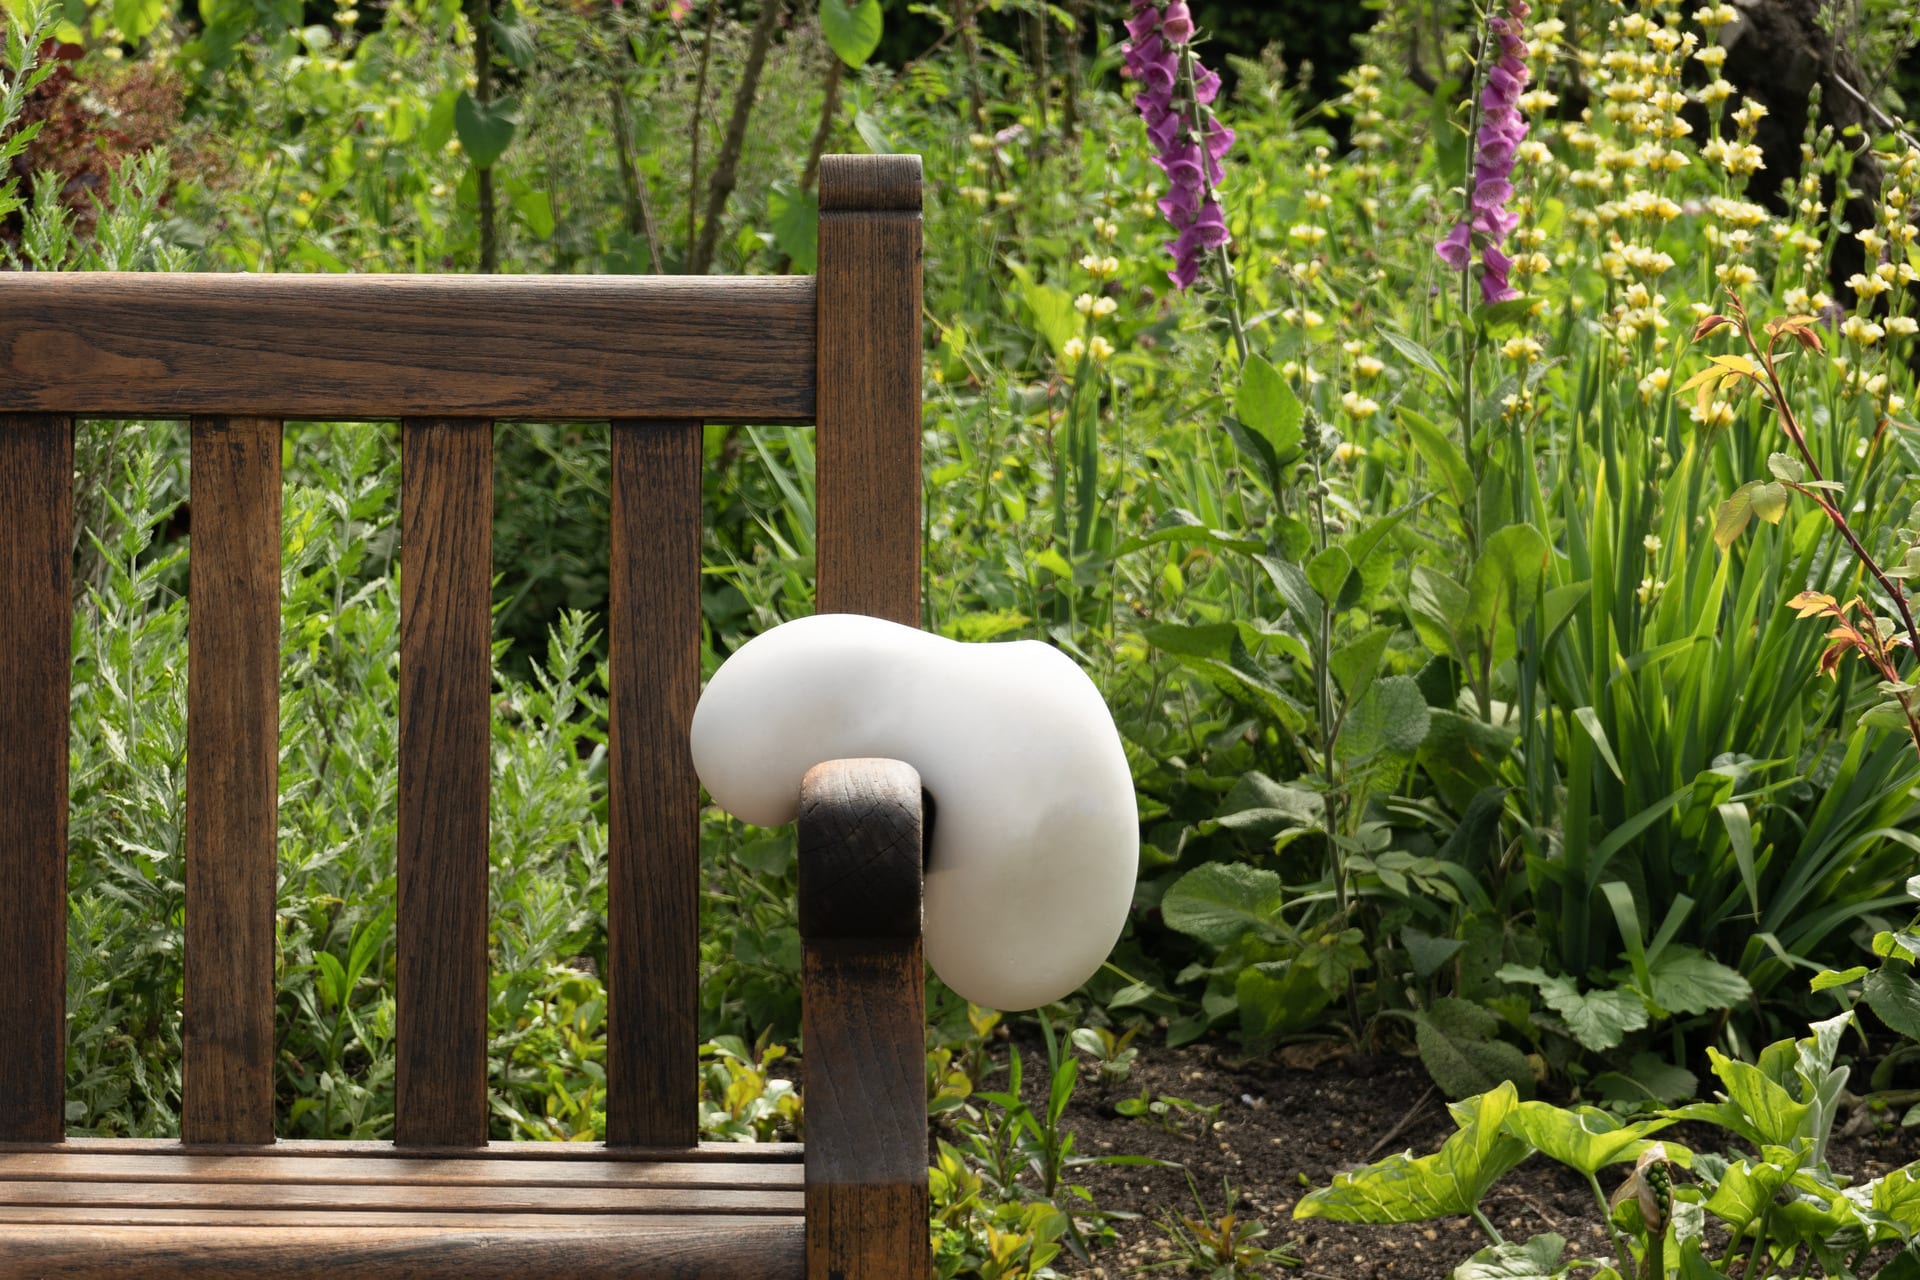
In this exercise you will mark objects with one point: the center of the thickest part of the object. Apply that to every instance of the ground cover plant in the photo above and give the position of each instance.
(1484, 496)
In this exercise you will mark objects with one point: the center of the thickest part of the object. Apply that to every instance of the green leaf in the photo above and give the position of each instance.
(1827, 979)
(1762, 1111)
(1457, 1044)
(1417, 354)
(1785, 466)
(1053, 316)
(1895, 997)
(1734, 515)
(1450, 1182)
(1506, 578)
(1599, 1020)
(1505, 318)
(1439, 609)
(440, 120)
(1441, 454)
(1686, 980)
(1770, 502)
(795, 219)
(1537, 1259)
(1260, 808)
(1648, 1078)
(536, 210)
(872, 134)
(485, 130)
(1266, 405)
(1277, 999)
(1427, 952)
(1585, 1138)
(852, 30)
(1328, 573)
(1355, 665)
(513, 37)
(1392, 719)
(136, 18)
(1885, 715)
(1217, 902)
(1747, 1188)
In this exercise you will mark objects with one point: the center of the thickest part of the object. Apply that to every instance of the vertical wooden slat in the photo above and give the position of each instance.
(868, 445)
(653, 856)
(36, 631)
(864, 1011)
(446, 559)
(864, 1021)
(233, 776)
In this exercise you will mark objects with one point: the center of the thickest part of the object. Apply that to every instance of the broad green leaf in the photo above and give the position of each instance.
(795, 219)
(1458, 1045)
(1260, 808)
(485, 130)
(1451, 1181)
(1440, 610)
(872, 134)
(513, 37)
(536, 210)
(1277, 999)
(1585, 1138)
(1537, 1259)
(1427, 952)
(1647, 1078)
(852, 29)
(1266, 405)
(1889, 1206)
(1827, 979)
(1217, 902)
(1413, 351)
(1885, 715)
(136, 18)
(1214, 640)
(1762, 1111)
(1356, 664)
(1392, 719)
(1731, 520)
(1506, 578)
(1785, 466)
(1895, 997)
(1500, 319)
(1770, 501)
(1687, 980)
(1053, 315)
(1328, 573)
(1599, 1020)
(1748, 1187)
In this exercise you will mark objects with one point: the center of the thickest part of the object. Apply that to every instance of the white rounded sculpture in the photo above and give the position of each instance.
(1032, 865)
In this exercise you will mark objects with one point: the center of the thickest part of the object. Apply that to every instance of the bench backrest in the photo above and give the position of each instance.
(448, 356)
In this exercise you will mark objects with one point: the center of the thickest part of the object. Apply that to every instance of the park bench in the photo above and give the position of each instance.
(448, 357)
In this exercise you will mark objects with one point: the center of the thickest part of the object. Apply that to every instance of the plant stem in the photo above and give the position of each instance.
(829, 109)
(1487, 1226)
(639, 207)
(699, 107)
(483, 94)
(1622, 1252)
(720, 186)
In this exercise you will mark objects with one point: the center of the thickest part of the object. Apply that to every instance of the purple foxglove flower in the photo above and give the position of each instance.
(1188, 142)
(1489, 221)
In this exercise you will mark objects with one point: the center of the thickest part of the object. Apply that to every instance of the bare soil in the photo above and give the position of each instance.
(1287, 1125)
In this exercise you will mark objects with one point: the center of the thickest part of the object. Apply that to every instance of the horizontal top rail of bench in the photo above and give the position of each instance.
(366, 347)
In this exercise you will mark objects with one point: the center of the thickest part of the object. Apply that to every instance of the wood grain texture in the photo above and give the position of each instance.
(401, 1197)
(367, 347)
(36, 628)
(676, 1250)
(233, 780)
(127, 1215)
(868, 446)
(863, 1022)
(350, 1149)
(653, 795)
(446, 559)
(70, 1166)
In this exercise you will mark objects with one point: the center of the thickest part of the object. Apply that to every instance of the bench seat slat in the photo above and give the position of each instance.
(346, 1148)
(396, 1197)
(676, 1248)
(365, 1170)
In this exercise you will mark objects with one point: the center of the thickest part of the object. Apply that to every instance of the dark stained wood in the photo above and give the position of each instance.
(233, 779)
(668, 1249)
(67, 1166)
(36, 628)
(863, 1023)
(366, 347)
(653, 795)
(868, 446)
(397, 1197)
(446, 559)
(860, 855)
(351, 1148)
(112, 1215)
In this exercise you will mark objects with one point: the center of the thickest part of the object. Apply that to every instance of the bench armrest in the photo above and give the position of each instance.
(863, 1020)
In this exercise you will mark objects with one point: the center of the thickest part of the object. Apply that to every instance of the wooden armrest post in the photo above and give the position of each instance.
(863, 1021)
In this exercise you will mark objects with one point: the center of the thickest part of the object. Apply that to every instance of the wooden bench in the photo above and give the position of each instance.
(449, 356)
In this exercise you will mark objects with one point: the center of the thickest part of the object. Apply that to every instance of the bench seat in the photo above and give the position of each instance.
(364, 1209)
